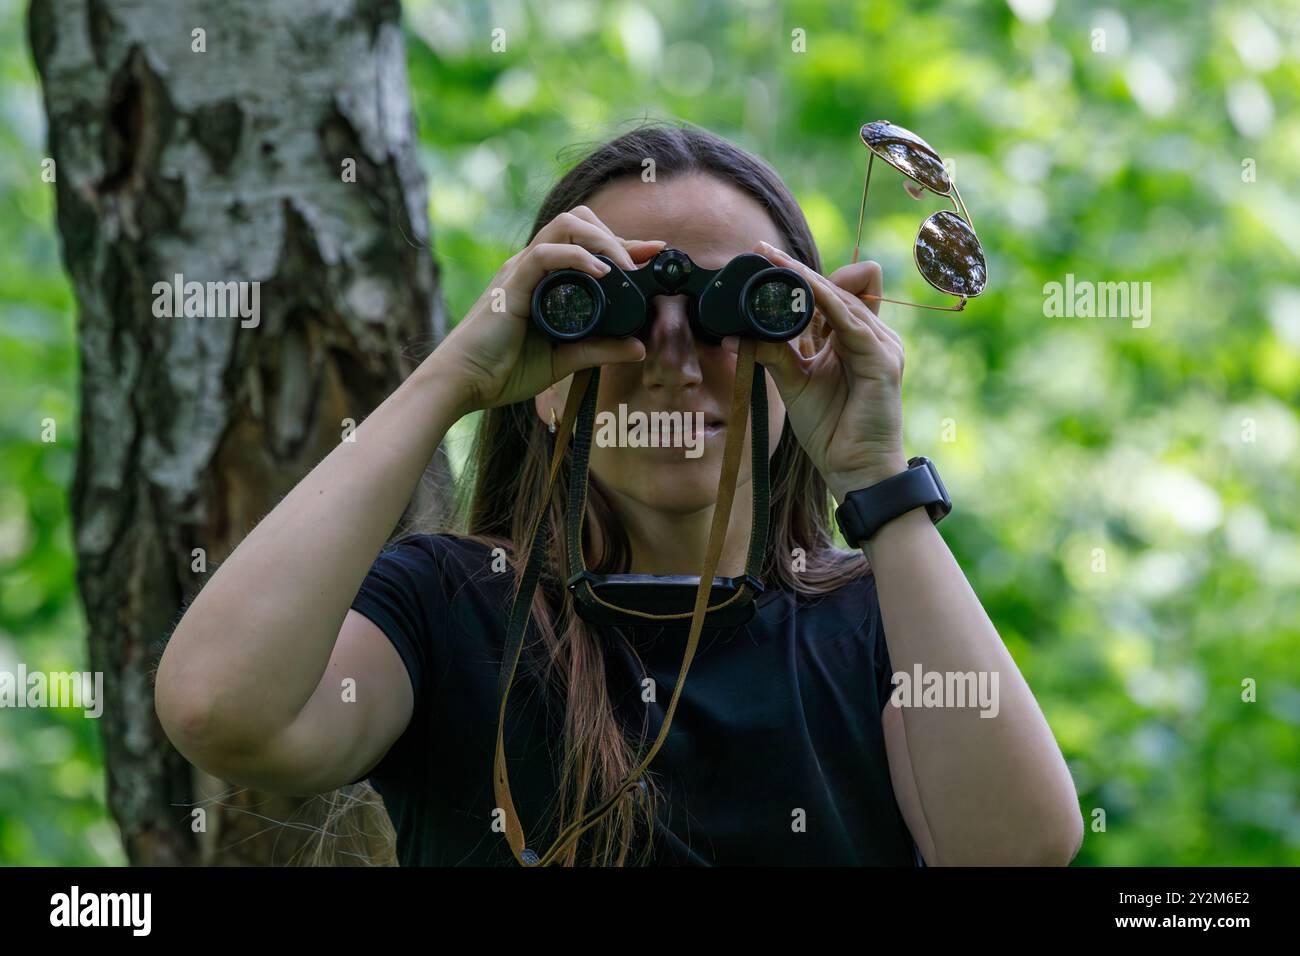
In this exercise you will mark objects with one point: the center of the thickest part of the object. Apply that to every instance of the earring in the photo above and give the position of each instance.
(551, 427)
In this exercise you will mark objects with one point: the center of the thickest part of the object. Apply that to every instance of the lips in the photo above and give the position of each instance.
(711, 418)
(706, 424)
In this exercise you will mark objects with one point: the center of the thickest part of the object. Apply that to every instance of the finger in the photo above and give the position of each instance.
(864, 279)
(642, 249)
(574, 228)
(597, 350)
(638, 249)
(538, 261)
(587, 214)
(533, 262)
(852, 330)
(862, 310)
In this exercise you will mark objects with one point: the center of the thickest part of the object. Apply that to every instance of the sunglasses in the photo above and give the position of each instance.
(947, 252)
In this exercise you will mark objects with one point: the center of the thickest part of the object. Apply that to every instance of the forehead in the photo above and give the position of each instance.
(710, 220)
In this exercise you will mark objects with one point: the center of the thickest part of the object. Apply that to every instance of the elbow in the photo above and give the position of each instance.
(188, 711)
(1058, 837)
(1073, 837)
(1058, 844)
(186, 718)
(1052, 843)
(210, 729)
(199, 733)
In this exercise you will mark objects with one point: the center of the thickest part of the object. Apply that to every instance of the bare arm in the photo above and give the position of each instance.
(238, 675)
(974, 790)
(249, 686)
(983, 790)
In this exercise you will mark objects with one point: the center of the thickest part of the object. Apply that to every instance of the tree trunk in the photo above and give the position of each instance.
(216, 142)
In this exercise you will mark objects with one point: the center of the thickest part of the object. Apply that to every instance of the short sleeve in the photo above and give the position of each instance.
(884, 668)
(399, 595)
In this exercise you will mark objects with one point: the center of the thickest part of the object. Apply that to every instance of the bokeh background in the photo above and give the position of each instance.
(1169, 156)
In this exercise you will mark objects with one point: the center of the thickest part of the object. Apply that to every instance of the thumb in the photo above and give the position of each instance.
(863, 279)
(599, 350)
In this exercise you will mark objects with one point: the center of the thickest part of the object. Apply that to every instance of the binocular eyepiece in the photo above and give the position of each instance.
(748, 296)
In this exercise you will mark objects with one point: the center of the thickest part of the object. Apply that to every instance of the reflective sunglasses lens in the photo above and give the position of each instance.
(949, 255)
(907, 153)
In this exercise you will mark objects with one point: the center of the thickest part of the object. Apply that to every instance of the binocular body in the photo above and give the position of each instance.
(748, 296)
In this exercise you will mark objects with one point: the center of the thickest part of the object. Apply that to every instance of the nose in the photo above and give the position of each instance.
(671, 359)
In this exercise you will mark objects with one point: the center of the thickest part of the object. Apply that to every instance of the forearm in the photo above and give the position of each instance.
(993, 789)
(253, 645)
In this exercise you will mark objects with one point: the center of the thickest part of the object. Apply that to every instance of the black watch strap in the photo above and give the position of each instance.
(864, 512)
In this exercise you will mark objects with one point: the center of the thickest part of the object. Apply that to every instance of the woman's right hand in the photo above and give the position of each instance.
(496, 353)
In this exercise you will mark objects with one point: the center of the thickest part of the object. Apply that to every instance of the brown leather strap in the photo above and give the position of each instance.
(518, 625)
(576, 509)
(738, 419)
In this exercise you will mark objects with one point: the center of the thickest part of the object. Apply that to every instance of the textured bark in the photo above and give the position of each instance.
(224, 165)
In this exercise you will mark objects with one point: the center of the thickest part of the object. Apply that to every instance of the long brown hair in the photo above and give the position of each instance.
(508, 470)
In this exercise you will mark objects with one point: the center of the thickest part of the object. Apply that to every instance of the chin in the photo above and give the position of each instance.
(680, 494)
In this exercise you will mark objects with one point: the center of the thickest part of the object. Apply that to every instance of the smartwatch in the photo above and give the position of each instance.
(864, 512)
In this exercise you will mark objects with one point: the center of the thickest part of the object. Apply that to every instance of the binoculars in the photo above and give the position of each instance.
(748, 296)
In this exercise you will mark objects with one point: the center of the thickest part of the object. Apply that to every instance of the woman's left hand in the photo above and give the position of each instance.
(845, 403)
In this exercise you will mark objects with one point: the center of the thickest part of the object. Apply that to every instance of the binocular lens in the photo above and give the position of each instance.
(778, 307)
(568, 308)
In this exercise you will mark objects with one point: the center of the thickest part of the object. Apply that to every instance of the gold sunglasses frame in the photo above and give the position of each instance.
(953, 195)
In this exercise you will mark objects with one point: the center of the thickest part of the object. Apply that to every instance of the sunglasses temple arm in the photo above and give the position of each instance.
(916, 305)
(871, 158)
(970, 222)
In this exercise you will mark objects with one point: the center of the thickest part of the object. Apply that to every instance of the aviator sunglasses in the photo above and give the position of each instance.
(947, 252)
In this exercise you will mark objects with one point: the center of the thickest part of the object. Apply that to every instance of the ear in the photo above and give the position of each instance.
(552, 397)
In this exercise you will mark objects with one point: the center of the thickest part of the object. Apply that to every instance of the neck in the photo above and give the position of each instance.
(666, 542)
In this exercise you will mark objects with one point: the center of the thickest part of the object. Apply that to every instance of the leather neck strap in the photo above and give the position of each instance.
(576, 508)
(750, 395)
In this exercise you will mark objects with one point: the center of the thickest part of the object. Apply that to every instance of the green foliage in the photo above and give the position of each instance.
(1166, 454)
(51, 761)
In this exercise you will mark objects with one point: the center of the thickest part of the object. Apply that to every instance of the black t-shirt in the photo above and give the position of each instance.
(775, 756)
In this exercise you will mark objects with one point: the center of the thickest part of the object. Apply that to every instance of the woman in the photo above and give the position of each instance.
(312, 660)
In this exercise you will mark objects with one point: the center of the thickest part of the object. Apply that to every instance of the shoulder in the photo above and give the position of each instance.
(442, 550)
(449, 557)
(843, 581)
(842, 602)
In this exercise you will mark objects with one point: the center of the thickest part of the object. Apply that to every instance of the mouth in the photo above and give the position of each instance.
(710, 421)
(707, 429)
